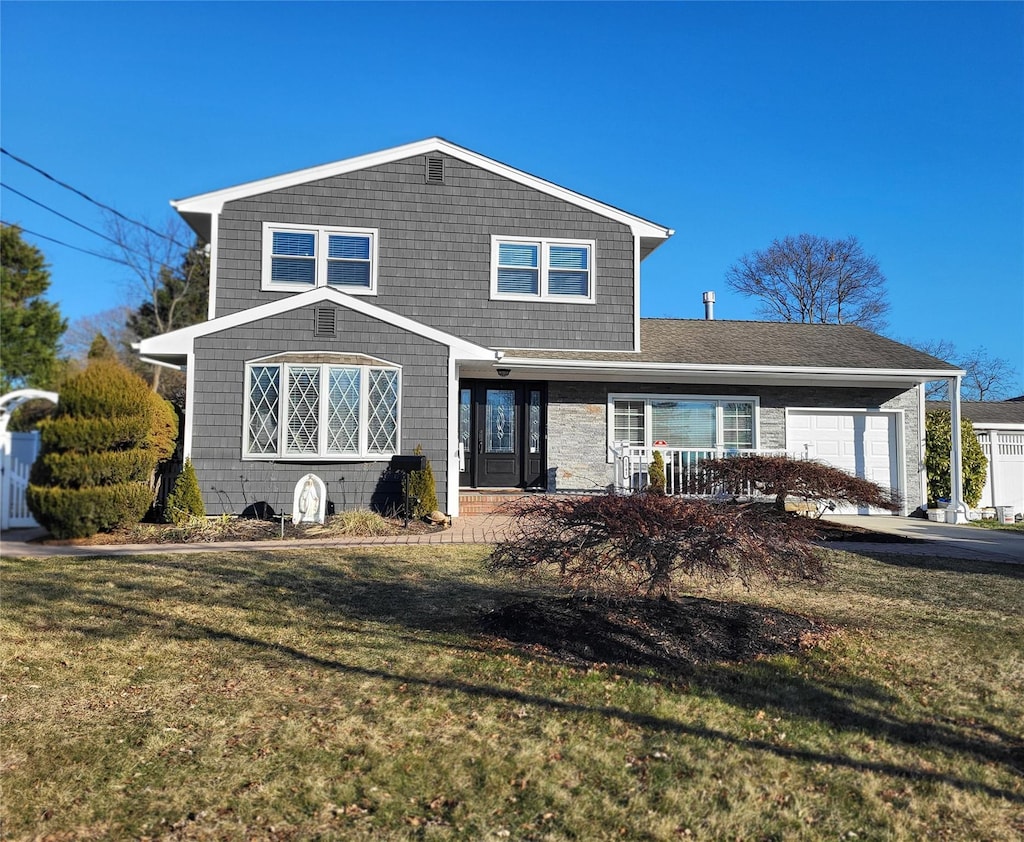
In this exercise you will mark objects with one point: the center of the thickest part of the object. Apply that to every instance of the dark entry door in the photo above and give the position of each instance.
(501, 428)
(498, 436)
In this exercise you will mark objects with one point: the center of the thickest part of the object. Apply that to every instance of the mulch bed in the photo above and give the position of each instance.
(667, 635)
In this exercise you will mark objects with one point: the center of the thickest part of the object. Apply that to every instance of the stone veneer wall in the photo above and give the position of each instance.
(578, 426)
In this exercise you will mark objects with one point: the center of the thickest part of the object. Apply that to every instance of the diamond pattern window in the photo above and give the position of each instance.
(303, 411)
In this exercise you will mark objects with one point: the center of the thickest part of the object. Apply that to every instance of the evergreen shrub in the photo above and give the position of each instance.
(423, 488)
(185, 502)
(100, 451)
(656, 480)
(937, 444)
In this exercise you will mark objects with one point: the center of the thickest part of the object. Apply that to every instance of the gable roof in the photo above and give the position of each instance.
(764, 347)
(985, 413)
(197, 210)
(176, 345)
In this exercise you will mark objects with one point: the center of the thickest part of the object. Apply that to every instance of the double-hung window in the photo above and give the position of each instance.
(298, 257)
(542, 269)
(320, 410)
(687, 422)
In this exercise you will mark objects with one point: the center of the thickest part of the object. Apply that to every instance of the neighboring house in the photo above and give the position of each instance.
(428, 295)
(999, 426)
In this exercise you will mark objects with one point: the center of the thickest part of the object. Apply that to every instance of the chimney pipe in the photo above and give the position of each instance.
(709, 306)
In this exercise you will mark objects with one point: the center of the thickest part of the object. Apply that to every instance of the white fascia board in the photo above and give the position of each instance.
(641, 368)
(213, 202)
(180, 342)
(1000, 427)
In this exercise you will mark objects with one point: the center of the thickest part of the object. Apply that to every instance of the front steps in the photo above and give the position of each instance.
(490, 501)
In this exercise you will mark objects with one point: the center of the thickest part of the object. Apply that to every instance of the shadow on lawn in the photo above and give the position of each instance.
(381, 590)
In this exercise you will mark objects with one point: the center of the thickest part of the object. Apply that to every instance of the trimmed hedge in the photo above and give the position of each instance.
(80, 512)
(92, 435)
(100, 452)
(78, 470)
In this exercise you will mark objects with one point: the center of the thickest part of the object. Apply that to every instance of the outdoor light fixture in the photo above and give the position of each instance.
(504, 372)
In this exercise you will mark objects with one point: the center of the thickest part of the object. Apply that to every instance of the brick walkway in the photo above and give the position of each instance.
(937, 541)
(477, 529)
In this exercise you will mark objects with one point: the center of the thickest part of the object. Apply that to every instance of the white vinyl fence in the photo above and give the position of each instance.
(17, 453)
(1004, 483)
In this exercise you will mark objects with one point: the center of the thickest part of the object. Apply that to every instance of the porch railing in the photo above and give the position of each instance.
(684, 472)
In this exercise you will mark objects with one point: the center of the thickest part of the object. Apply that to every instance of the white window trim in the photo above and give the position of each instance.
(321, 455)
(320, 257)
(544, 244)
(647, 397)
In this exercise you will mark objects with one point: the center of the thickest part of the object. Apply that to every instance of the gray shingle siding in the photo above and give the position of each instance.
(435, 252)
(229, 483)
(578, 437)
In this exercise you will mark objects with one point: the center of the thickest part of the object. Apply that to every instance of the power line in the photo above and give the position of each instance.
(72, 221)
(89, 198)
(62, 243)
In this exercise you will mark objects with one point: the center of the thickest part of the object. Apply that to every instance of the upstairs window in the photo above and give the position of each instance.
(296, 258)
(545, 270)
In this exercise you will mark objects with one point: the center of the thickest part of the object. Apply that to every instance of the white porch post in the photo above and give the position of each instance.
(957, 506)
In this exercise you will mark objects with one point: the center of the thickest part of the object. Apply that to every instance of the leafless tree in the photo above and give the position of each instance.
(112, 323)
(987, 378)
(808, 278)
(152, 254)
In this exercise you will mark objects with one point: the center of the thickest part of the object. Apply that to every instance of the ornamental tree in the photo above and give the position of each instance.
(100, 451)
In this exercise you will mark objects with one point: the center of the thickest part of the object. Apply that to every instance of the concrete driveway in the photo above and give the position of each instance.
(942, 539)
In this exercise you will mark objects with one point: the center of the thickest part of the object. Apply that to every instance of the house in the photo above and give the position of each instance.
(999, 426)
(429, 295)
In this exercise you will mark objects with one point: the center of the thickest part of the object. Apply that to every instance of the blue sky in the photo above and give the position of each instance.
(734, 124)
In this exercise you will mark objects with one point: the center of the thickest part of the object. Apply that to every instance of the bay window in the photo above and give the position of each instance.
(320, 410)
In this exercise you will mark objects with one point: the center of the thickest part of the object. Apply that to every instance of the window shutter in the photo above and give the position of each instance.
(325, 321)
(435, 170)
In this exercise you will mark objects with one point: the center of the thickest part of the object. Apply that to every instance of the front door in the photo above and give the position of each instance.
(501, 428)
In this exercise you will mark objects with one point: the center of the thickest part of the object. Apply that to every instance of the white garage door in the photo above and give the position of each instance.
(864, 444)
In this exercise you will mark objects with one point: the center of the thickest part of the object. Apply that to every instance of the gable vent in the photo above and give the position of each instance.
(435, 170)
(325, 321)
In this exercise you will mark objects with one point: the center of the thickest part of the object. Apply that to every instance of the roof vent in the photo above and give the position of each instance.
(435, 170)
(325, 321)
(709, 305)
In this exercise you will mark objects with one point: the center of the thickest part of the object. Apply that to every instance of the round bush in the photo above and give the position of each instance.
(81, 512)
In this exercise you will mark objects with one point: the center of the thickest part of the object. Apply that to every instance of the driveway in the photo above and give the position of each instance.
(943, 539)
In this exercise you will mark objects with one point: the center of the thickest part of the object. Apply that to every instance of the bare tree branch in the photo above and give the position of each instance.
(813, 279)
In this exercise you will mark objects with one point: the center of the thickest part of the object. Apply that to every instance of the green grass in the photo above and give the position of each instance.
(992, 523)
(327, 694)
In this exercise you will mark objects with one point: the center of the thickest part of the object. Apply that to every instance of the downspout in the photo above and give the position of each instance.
(957, 506)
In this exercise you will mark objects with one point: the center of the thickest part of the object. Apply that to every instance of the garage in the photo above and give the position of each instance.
(863, 443)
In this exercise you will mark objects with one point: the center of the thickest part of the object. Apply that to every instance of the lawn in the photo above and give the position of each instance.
(351, 694)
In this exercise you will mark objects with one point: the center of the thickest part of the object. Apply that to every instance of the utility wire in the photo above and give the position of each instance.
(72, 221)
(88, 198)
(62, 243)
